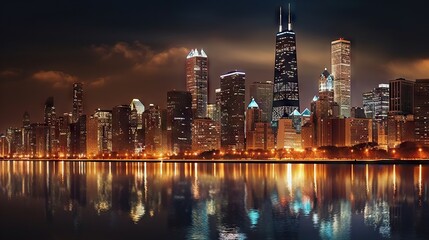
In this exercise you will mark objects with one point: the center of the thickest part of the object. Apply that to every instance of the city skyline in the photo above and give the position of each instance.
(49, 66)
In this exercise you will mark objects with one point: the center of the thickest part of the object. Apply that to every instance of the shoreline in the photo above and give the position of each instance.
(251, 161)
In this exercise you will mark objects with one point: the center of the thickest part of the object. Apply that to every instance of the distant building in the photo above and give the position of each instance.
(401, 128)
(26, 131)
(286, 89)
(50, 118)
(421, 111)
(213, 112)
(287, 135)
(38, 140)
(77, 101)
(104, 130)
(358, 130)
(341, 69)
(253, 115)
(153, 129)
(205, 135)
(197, 81)
(400, 122)
(136, 125)
(376, 107)
(232, 110)
(261, 137)
(78, 137)
(91, 136)
(64, 136)
(4, 146)
(218, 95)
(179, 121)
(357, 112)
(401, 93)
(262, 92)
(121, 137)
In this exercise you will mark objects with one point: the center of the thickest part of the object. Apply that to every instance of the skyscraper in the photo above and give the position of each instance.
(51, 123)
(26, 128)
(104, 130)
(179, 120)
(262, 92)
(153, 129)
(400, 123)
(77, 101)
(233, 88)
(401, 93)
(421, 111)
(136, 125)
(197, 76)
(121, 138)
(286, 90)
(341, 69)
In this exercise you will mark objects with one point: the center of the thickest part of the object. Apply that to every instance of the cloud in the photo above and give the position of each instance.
(140, 57)
(10, 73)
(99, 82)
(58, 79)
(411, 69)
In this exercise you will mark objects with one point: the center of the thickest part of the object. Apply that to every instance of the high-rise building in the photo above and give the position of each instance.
(197, 81)
(400, 122)
(233, 89)
(376, 102)
(326, 86)
(179, 121)
(153, 129)
(77, 101)
(286, 90)
(261, 138)
(4, 146)
(376, 106)
(64, 135)
(38, 140)
(26, 128)
(341, 69)
(421, 111)
(218, 94)
(205, 135)
(213, 112)
(104, 130)
(401, 93)
(121, 137)
(253, 115)
(262, 92)
(14, 136)
(50, 118)
(136, 125)
(78, 137)
(91, 136)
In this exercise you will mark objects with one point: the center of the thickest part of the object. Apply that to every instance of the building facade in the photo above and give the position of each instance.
(421, 111)
(262, 92)
(341, 69)
(77, 101)
(197, 81)
(179, 121)
(121, 132)
(205, 135)
(233, 90)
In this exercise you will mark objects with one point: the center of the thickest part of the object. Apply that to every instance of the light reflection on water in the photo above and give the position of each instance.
(212, 200)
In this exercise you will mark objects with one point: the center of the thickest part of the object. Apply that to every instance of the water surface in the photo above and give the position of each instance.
(118, 200)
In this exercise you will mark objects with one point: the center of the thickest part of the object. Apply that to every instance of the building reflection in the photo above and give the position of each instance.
(219, 200)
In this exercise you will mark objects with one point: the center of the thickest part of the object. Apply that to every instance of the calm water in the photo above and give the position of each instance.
(72, 200)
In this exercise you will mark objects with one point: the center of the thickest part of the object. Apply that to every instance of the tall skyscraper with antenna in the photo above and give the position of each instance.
(286, 90)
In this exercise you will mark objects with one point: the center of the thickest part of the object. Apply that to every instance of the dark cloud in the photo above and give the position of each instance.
(136, 49)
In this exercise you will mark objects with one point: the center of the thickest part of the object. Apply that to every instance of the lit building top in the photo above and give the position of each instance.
(136, 104)
(253, 104)
(195, 53)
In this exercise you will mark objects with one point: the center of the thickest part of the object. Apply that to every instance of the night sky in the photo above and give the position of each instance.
(137, 49)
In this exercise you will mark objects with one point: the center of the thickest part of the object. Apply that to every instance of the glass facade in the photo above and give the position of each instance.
(341, 69)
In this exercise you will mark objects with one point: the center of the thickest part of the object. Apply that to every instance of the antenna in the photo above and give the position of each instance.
(289, 24)
(280, 25)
